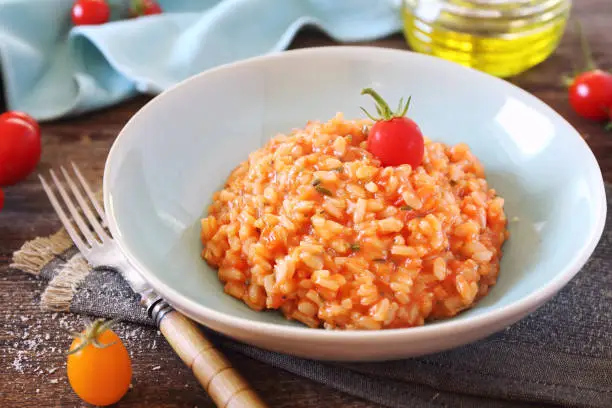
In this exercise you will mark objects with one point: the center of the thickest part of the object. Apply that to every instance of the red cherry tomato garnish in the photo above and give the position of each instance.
(1, 199)
(90, 12)
(590, 94)
(394, 139)
(145, 8)
(20, 148)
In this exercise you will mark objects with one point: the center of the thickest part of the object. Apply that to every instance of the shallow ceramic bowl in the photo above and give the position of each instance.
(179, 149)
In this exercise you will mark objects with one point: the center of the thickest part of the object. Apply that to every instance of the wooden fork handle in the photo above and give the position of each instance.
(214, 372)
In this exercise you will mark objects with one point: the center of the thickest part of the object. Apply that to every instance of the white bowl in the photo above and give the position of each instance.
(179, 148)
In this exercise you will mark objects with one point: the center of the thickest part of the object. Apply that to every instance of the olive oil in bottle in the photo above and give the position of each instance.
(500, 37)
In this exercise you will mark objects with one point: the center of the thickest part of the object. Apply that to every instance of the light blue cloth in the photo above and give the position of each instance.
(51, 69)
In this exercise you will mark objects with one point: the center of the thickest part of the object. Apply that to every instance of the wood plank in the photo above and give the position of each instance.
(32, 341)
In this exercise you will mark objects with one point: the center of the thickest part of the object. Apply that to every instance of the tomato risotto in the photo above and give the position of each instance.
(313, 225)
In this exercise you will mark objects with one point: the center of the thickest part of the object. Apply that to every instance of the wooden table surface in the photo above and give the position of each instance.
(32, 369)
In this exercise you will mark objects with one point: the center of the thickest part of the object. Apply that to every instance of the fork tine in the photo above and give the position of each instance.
(76, 238)
(90, 194)
(84, 206)
(84, 229)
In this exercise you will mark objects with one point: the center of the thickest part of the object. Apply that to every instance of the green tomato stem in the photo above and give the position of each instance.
(586, 48)
(91, 334)
(382, 107)
(405, 110)
(137, 7)
(368, 115)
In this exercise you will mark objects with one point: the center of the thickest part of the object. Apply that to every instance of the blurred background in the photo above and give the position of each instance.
(63, 57)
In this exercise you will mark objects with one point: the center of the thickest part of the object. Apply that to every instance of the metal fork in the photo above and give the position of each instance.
(214, 372)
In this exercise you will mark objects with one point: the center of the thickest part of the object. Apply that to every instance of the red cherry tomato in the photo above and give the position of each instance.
(20, 149)
(21, 115)
(590, 94)
(394, 139)
(145, 8)
(1, 199)
(90, 12)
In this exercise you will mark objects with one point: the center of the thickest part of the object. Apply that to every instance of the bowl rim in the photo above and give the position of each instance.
(441, 328)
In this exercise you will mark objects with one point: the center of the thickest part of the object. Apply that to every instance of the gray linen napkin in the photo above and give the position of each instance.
(560, 355)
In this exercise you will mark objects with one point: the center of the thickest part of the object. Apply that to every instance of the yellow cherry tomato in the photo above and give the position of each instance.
(99, 366)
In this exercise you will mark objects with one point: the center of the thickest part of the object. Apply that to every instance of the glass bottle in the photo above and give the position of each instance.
(500, 37)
